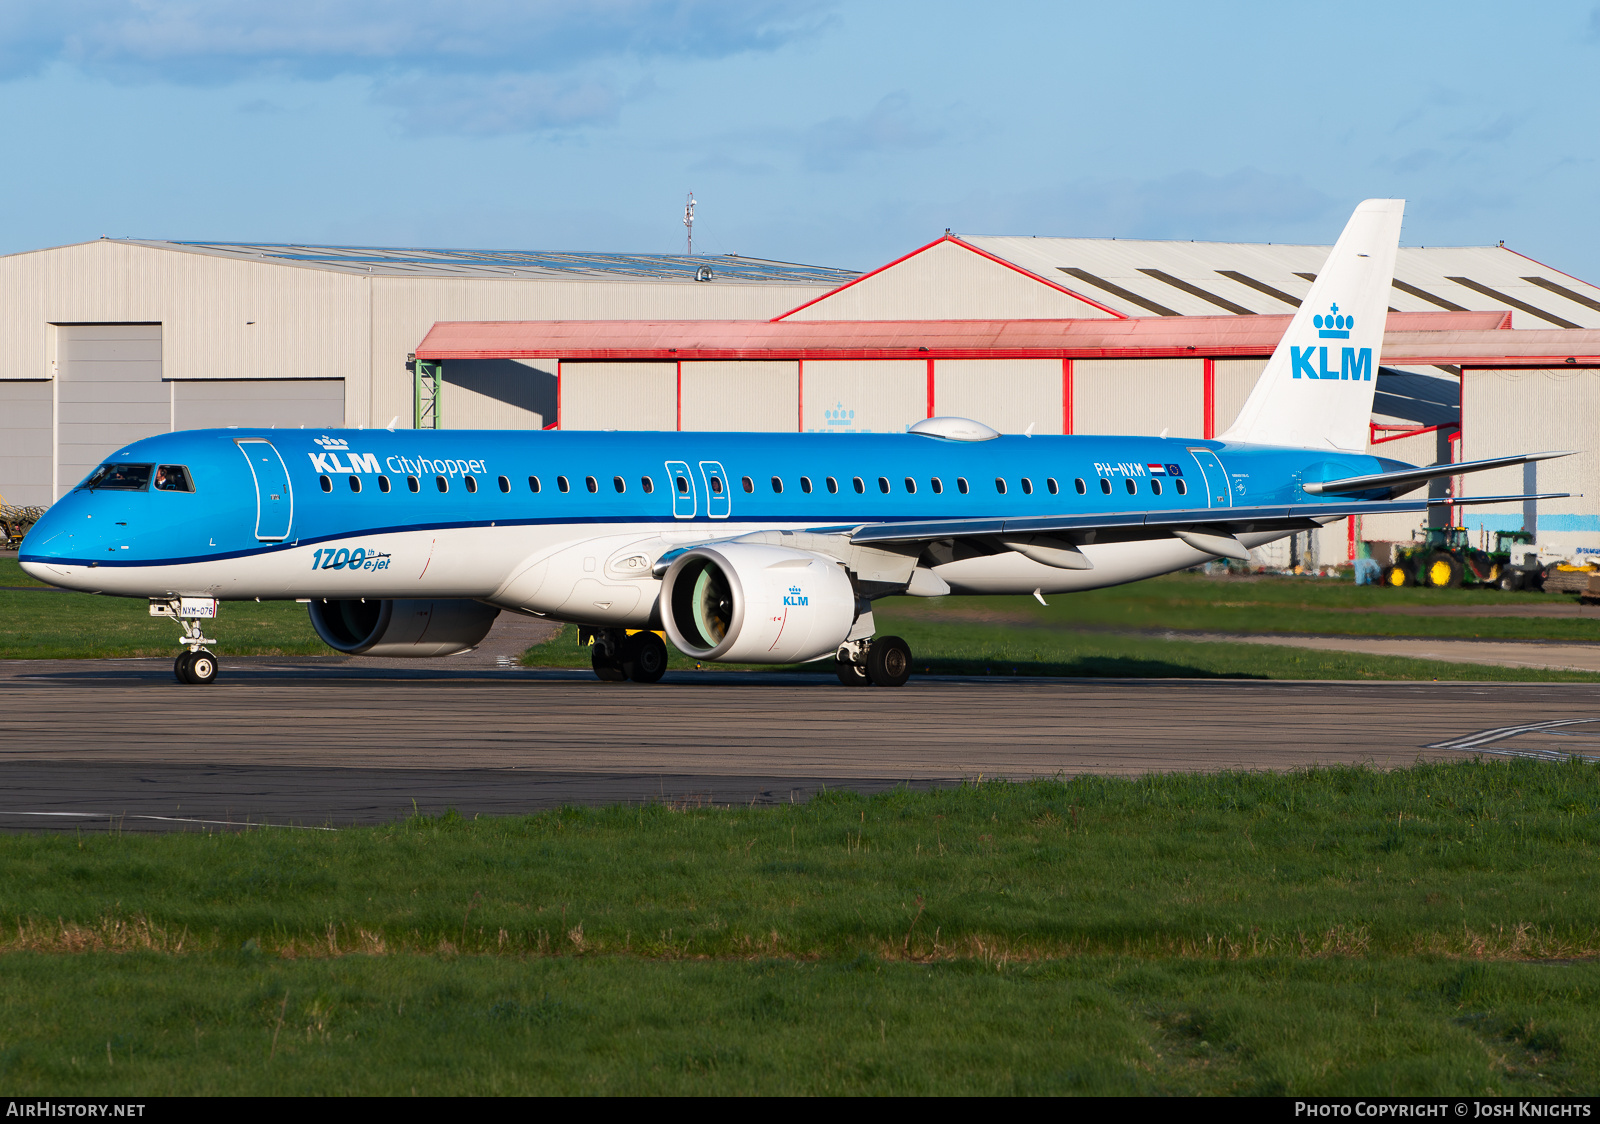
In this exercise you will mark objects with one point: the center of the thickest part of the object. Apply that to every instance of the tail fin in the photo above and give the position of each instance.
(1317, 389)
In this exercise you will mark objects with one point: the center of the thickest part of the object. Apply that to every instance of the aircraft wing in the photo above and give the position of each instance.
(1406, 479)
(1219, 521)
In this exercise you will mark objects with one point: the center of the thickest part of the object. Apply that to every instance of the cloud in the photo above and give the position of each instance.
(527, 62)
(889, 126)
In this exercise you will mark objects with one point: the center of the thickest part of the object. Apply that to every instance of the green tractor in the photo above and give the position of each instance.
(1444, 558)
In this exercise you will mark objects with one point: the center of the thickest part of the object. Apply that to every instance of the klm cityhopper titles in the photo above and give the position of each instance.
(757, 548)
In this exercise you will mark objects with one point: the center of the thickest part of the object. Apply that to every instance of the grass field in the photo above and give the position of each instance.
(1430, 930)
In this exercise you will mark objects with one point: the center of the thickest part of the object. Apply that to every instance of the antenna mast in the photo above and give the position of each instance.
(688, 221)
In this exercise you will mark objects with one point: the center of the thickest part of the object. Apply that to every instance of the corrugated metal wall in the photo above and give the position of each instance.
(25, 460)
(746, 396)
(947, 282)
(1006, 394)
(619, 396)
(496, 394)
(284, 403)
(1139, 396)
(1512, 411)
(1234, 380)
(864, 395)
(110, 393)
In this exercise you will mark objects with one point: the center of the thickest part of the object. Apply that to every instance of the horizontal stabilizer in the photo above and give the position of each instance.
(1406, 479)
(1223, 546)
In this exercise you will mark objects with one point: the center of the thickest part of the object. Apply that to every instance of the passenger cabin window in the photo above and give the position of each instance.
(1000, 485)
(533, 484)
(119, 478)
(383, 484)
(716, 485)
(805, 484)
(441, 483)
(1183, 489)
(563, 486)
(173, 478)
(1051, 484)
(327, 485)
(911, 486)
(833, 485)
(1105, 485)
(1155, 486)
(591, 483)
(961, 484)
(472, 483)
(937, 485)
(1080, 486)
(683, 486)
(883, 484)
(777, 484)
(413, 483)
(860, 484)
(1130, 484)
(647, 484)
(505, 484)
(1027, 486)
(355, 483)
(748, 484)
(619, 484)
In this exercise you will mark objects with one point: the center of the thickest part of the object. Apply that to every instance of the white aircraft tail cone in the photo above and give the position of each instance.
(1317, 389)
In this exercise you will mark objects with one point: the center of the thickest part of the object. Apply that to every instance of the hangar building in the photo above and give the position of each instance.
(1063, 335)
(105, 342)
(1487, 352)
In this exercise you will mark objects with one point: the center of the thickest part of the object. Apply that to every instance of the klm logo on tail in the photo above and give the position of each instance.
(1355, 363)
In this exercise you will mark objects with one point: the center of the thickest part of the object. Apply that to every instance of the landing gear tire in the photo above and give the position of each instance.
(889, 662)
(196, 668)
(851, 674)
(644, 658)
(607, 668)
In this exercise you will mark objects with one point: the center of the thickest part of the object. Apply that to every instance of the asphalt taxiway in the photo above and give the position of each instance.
(118, 743)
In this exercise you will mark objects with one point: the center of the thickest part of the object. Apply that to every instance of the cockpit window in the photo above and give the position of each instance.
(173, 478)
(120, 477)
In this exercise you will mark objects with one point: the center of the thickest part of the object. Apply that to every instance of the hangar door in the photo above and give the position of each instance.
(109, 393)
(284, 403)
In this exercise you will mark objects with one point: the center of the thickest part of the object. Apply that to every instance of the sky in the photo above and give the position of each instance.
(810, 131)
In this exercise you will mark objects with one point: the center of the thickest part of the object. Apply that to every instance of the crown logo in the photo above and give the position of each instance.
(794, 589)
(1334, 325)
(332, 442)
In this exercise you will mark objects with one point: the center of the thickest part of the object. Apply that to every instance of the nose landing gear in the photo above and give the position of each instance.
(195, 665)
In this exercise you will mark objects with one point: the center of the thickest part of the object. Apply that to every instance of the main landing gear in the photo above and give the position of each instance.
(884, 662)
(195, 665)
(619, 655)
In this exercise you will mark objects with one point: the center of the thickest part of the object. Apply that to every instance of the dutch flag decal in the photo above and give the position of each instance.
(1157, 469)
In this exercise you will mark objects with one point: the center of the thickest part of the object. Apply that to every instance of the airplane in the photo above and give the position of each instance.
(743, 547)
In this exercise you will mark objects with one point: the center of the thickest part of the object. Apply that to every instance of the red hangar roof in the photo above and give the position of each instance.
(1453, 338)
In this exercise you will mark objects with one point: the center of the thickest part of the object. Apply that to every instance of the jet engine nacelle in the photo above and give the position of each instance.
(756, 604)
(411, 629)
